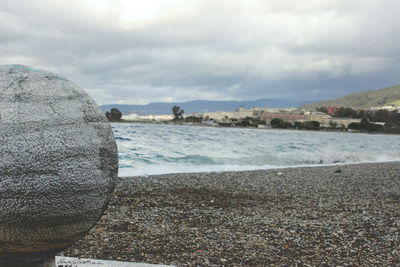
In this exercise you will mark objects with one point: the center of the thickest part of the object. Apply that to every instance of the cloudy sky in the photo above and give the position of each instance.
(136, 51)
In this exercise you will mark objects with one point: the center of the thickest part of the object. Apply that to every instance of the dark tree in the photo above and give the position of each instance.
(244, 123)
(364, 114)
(178, 113)
(366, 125)
(256, 121)
(354, 126)
(298, 125)
(114, 115)
(276, 123)
(346, 113)
(249, 121)
(287, 125)
(382, 115)
(394, 121)
(333, 125)
(311, 125)
(193, 119)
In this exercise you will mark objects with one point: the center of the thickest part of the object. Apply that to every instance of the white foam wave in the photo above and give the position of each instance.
(159, 170)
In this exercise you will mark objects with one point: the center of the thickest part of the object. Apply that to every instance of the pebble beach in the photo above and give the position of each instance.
(346, 215)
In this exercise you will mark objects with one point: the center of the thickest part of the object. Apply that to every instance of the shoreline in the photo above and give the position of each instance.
(391, 132)
(342, 214)
(251, 168)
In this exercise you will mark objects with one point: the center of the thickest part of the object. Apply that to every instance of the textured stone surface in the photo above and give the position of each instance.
(58, 163)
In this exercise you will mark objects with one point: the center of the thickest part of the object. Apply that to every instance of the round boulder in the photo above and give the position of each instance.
(58, 163)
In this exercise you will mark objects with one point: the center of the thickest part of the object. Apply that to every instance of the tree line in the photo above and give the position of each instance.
(307, 125)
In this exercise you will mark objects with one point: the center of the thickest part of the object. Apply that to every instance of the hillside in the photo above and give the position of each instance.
(200, 106)
(365, 99)
(396, 103)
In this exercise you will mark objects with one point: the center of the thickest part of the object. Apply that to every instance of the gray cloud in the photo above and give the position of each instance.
(146, 51)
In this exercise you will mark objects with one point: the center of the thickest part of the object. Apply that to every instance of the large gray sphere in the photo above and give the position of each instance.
(58, 163)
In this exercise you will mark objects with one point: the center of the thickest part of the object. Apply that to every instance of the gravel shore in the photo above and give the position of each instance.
(333, 215)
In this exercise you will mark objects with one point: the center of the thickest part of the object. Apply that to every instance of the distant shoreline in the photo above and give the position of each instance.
(396, 132)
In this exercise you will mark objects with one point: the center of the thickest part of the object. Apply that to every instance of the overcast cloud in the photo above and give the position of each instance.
(136, 52)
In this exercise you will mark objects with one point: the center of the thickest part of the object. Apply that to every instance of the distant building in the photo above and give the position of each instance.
(332, 110)
(320, 117)
(130, 117)
(378, 123)
(286, 116)
(218, 115)
(258, 112)
(388, 108)
(136, 117)
(242, 113)
(225, 122)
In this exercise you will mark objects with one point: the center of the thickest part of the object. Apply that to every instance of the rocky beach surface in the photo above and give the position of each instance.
(328, 215)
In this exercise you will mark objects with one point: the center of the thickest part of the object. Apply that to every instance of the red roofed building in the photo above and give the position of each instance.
(332, 110)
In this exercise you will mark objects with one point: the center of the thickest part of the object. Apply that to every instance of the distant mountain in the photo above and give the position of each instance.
(365, 99)
(201, 106)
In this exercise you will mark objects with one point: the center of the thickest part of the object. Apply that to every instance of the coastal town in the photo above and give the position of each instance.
(330, 117)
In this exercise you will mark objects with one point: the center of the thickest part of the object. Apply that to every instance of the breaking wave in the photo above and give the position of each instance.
(147, 149)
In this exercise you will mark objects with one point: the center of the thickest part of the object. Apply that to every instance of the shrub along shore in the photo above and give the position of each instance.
(345, 214)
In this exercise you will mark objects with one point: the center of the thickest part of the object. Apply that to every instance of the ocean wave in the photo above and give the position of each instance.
(122, 138)
(158, 149)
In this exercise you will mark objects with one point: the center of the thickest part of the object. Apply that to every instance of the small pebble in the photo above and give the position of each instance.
(296, 216)
(338, 171)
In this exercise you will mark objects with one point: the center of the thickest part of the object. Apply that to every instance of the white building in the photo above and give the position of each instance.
(136, 117)
(242, 113)
(218, 115)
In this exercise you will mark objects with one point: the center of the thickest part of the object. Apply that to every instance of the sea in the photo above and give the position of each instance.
(149, 149)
